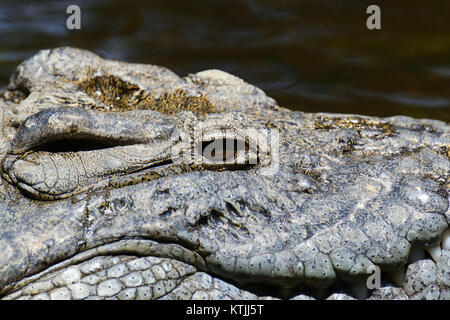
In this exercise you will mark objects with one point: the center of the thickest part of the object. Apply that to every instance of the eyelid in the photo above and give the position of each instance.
(242, 154)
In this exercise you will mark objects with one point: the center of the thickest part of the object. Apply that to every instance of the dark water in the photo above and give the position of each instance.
(308, 55)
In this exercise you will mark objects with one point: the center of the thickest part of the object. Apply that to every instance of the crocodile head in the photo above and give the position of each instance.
(126, 181)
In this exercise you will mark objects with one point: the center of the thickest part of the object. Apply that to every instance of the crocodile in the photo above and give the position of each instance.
(126, 181)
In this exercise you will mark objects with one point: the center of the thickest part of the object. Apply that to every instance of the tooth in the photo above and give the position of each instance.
(359, 290)
(397, 276)
(446, 240)
(416, 254)
(435, 252)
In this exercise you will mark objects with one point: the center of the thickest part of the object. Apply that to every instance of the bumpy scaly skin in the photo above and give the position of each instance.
(134, 144)
(350, 192)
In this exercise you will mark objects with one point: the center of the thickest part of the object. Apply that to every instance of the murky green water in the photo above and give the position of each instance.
(308, 55)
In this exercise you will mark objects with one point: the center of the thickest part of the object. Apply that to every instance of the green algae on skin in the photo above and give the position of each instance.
(119, 95)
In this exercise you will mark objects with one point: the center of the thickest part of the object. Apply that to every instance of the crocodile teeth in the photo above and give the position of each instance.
(435, 252)
(446, 240)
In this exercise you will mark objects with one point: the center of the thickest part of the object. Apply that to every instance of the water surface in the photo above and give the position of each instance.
(309, 55)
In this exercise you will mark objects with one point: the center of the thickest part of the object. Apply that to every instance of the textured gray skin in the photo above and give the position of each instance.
(351, 191)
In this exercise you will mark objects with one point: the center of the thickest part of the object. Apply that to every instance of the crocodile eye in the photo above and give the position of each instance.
(226, 152)
(223, 150)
